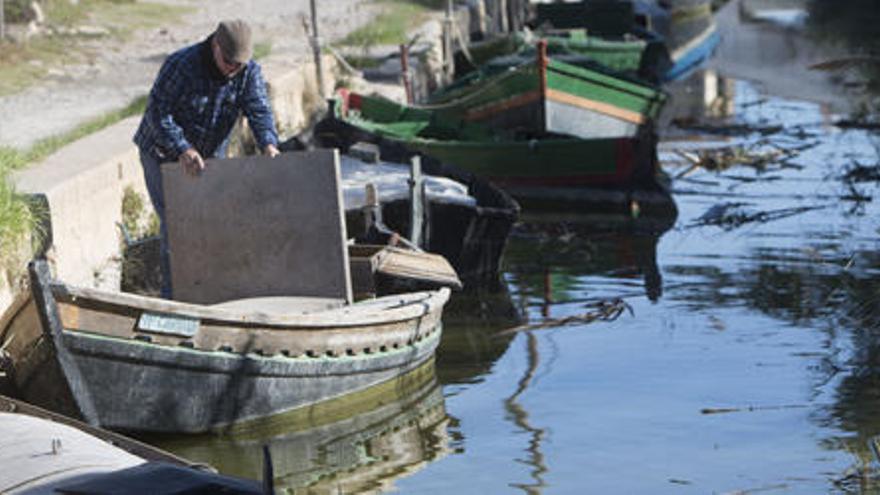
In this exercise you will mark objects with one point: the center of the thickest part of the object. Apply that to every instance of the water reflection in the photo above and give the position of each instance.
(469, 346)
(362, 442)
(520, 417)
(548, 263)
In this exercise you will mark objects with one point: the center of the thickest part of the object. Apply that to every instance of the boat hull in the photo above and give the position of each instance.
(518, 166)
(143, 387)
(549, 96)
(134, 363)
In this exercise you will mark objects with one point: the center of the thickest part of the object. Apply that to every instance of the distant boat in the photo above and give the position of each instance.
(542, 165)
(687, 27)
(545, 96)
(128, 362)
(644, 57)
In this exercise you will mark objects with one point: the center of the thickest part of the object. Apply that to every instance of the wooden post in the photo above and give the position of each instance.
(448, 62)
(316, 48)
(404, 69)
(542, 80)
(417, 201)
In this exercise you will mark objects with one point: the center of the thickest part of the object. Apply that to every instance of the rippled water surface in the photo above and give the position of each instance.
(746, 362)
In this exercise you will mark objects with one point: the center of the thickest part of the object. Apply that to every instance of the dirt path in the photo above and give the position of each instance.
(120, 73)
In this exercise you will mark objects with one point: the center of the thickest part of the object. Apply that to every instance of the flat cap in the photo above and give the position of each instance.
(234, 38)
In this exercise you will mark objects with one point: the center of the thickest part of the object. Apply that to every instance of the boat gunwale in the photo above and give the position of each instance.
(408, 306)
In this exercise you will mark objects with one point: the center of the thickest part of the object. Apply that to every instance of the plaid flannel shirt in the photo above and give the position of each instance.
(192, 105)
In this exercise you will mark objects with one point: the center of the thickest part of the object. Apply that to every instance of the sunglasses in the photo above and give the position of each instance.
(230, 63)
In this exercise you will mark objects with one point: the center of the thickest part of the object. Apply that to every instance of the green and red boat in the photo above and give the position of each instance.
(545, 96)
(522, 165)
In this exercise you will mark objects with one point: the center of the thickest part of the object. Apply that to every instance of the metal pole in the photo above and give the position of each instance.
(2, 23)
(316, 48)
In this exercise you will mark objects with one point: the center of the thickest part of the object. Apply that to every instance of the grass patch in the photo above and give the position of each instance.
(45, 147)
(16, 221)
(16, 217)
(262, 50)
(390, 27)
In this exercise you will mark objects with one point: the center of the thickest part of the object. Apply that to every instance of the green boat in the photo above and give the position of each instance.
(645, 58)
(520, 165)
(547, 96)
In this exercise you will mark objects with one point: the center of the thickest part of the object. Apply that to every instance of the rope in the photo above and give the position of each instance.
(344, 63)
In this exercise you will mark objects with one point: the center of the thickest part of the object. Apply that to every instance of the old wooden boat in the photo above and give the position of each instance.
(128, 362)
(547, 96)
(465, 219)
(520, 165)
(44, 452)
(264, 320)
(687, 27)
(644, 57)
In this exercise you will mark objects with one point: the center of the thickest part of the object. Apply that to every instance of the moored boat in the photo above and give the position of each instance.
(642, 57)
(547, 164)
(466, 220)
(687, 27)
(269, 323)
(547, 96)
(128, 362)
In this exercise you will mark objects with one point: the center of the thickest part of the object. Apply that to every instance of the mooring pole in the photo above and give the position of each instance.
(416, 201)
(448, 64)
(404, 73)
(316, 48)
(2, 23)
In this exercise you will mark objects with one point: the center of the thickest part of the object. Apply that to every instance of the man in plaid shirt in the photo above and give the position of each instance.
(196, 99)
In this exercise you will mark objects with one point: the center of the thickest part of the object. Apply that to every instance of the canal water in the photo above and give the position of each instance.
(745, 358)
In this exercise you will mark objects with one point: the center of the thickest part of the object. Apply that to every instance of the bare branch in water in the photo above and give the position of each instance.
(604, 311)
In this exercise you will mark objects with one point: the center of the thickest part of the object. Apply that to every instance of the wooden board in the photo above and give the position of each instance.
(258, 227)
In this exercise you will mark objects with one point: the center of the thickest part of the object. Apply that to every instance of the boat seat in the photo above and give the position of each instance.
(281, 305)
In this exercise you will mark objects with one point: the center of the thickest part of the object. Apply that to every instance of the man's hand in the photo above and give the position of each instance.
(192, 162)
(271, 151)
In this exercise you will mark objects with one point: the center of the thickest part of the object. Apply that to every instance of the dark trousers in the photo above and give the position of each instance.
(153, 178)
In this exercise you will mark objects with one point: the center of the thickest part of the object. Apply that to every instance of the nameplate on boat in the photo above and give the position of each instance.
(168, 324)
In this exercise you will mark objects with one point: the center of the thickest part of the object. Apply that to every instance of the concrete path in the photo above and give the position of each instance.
(120, 73)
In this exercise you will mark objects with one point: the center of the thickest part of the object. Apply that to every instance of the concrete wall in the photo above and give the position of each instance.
(83, 185)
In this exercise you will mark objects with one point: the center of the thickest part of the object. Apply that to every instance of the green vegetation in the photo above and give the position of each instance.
(391, 26)
(16, 217)
(45, 147)
(262, 50)
(138, 221)
(16, 221)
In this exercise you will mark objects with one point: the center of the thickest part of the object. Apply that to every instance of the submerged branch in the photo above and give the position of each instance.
(731, 215)
(604, 311)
